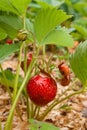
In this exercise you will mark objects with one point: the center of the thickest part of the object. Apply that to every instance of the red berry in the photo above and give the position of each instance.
(64, 70)
(65, 80)
(29, 59)
(41, 89)
(9, 41)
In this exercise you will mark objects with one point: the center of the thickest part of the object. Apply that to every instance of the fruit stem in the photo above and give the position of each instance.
(37, 112)
(28, 74)
(56, 102)
(25, 60)
(17, 74)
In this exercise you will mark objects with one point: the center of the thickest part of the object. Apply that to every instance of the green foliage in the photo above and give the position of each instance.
(11, 24)
(7, 50)
(17, 7)
(6, 5)
(81, 7)
(46, 3)
(3, 34)
(59, 37)
(38, 125)
(21, 5)
(46, 21)
(78, 61)
(10, 78)
(80, 26)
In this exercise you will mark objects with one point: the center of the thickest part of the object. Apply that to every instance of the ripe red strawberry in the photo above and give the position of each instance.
(64, 70)
(9, 41)
(41, 89)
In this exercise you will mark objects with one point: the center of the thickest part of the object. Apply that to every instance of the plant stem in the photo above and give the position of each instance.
(35, 109)
(37, 112)
(25, 60)
(56, 102)
(28, 74)
(17, 74)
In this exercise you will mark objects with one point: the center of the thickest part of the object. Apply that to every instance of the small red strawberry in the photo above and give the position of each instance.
(41, 89)
(29, 58)
(9, 41)
(64, 69)
(65, 80)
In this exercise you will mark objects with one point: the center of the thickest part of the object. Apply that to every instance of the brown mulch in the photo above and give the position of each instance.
(74, 119)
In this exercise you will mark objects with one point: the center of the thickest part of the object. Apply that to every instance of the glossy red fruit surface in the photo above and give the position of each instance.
(9, 41)
(41, 89)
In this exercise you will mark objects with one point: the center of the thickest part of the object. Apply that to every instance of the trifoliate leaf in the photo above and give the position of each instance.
(46, 20)
(59, 37)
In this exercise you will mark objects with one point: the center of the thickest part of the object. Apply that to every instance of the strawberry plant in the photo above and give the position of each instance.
(38, 85)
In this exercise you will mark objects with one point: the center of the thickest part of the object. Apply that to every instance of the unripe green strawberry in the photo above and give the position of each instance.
(22, 35)
(41, 89)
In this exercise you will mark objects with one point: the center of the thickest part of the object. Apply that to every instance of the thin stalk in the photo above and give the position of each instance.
(7, 86)
(32, 109)
(24, 21)
(37, 112)
(44, 53)
(25, 61)
(56, 102)
(25, 70)
(10, 117)
(17, 74)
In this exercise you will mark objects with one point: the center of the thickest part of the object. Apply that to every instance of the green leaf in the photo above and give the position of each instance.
(45, 3)
(10, 78)
(38, 125)
(59, 37)
(11, 24)
(46, 21)
(81, 7)
(78, 61)
(7, 50)
(29, 25)
(21, 5)
(6, 5)
(82, 30)
(3, 34)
